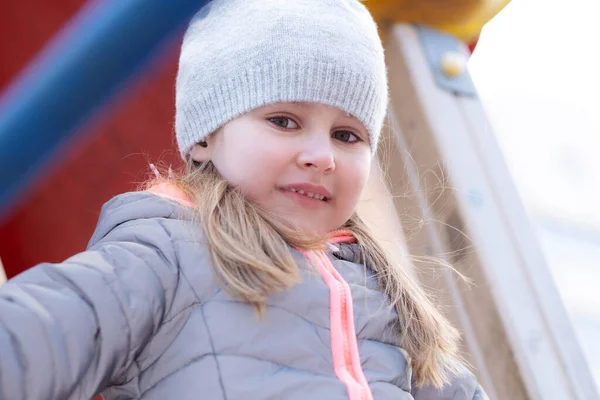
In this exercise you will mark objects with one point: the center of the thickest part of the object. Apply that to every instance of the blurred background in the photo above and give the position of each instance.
(535, 66)
(536, 69)
(57, 217)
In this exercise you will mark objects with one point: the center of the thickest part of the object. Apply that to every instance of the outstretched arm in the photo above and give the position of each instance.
(67, 330)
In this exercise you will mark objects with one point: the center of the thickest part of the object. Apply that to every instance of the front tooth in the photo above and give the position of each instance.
(301, 191)
(293, 190)
(309, 194)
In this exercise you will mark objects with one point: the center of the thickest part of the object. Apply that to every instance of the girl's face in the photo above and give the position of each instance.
(307, 162)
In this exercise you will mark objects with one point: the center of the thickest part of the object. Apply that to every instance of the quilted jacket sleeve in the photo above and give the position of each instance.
(67, 330)
(463, 386)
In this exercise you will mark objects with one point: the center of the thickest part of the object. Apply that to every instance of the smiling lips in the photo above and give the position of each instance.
(309, 190)
(309, 194)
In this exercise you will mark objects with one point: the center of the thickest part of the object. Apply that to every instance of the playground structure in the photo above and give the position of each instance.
(442, 166)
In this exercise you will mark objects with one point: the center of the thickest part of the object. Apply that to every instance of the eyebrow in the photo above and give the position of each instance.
(306, 105)
(300, 104)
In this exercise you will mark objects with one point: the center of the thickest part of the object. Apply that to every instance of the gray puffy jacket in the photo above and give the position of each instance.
(139, 316)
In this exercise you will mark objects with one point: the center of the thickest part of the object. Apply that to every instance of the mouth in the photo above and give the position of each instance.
(307, 194)
(313, 195)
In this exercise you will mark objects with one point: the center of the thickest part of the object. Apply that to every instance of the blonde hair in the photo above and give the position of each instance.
(250, 248)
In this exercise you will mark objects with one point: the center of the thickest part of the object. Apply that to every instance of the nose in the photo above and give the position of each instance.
(317, 154)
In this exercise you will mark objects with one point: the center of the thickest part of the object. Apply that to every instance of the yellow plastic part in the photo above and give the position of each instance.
(462, 18)
(453, 64)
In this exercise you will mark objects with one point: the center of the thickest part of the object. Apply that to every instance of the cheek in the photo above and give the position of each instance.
(252, 169)
(356, 175)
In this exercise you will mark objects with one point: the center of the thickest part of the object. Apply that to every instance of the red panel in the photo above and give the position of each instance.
(25, 25)
(473, 44)
(58, 217)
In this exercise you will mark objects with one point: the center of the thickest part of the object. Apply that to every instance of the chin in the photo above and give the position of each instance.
(310, 229)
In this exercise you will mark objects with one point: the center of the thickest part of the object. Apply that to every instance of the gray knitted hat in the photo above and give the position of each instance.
(238, 55)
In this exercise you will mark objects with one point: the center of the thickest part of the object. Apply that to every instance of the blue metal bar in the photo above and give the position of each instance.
(95, 55)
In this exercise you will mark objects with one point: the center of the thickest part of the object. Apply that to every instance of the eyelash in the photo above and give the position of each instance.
(356, 137)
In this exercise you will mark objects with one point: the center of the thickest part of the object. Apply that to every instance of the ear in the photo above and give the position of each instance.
(199, 153)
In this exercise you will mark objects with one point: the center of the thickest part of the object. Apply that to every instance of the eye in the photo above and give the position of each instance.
(345, 136)
(284, 122)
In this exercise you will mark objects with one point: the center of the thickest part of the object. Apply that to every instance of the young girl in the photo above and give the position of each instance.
(250, 276)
